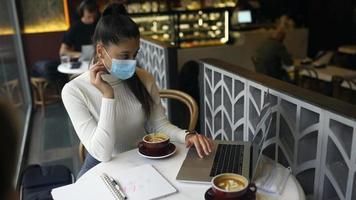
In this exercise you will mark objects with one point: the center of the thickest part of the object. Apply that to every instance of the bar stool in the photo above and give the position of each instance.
(40, 89)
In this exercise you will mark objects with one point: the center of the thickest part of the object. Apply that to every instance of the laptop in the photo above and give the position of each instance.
(87, 52)
(246, 22)
(244, 17)
(228, 156)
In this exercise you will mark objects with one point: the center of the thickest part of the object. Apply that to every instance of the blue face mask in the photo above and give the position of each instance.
(122, 69)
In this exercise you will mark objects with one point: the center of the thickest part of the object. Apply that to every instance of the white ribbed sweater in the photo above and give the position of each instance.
(110, 126)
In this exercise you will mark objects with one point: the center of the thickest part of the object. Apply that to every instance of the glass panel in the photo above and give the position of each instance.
(14, 85)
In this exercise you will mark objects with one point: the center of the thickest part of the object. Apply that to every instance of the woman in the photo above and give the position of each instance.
(114, 104)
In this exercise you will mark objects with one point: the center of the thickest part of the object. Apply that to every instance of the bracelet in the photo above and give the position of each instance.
(190, 132)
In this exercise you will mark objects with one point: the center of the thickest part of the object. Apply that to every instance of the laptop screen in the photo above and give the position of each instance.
(244, 17)
(261, 131)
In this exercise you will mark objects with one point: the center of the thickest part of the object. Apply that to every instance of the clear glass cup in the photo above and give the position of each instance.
(65, 60)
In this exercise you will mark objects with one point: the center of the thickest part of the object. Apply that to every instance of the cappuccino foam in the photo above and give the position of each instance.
(230, 184)
(156, 139)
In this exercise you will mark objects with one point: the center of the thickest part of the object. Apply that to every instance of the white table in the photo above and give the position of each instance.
(326, 73)
(348, 49)
(169, 168)
(66, 69)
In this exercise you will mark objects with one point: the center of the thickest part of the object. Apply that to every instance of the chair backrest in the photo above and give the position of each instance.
(344, 88)
(312, 74)
(187, 100)
(170, 94)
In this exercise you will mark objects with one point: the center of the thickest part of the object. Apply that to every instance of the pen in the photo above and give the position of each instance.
(117, 186)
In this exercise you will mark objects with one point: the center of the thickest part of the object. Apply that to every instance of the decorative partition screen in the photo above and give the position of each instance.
(315, 143)
(154, 58)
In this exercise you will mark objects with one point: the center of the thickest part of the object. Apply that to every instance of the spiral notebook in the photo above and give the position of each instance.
(142, 182)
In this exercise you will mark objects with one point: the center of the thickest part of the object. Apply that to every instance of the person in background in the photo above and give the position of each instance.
(8, 152)
(82, 31)
(114, 104)
(272, 56)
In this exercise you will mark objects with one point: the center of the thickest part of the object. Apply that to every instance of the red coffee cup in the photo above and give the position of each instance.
(155, 144)
(230, 186)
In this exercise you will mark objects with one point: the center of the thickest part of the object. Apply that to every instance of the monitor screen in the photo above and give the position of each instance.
(244, 16)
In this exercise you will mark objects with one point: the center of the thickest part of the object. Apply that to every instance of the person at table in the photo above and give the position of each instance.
(8, 152)
(114, 104)
(81, 32)
(272, 55)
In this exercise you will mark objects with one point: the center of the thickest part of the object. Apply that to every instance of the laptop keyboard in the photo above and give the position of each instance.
(228, 159)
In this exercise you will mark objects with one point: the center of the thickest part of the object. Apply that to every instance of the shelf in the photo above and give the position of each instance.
(199, 29)
(200, 44)
(154, 32)
(149, 19)
(216, 27)
(199, 39)
(174, 12)
(204, 20)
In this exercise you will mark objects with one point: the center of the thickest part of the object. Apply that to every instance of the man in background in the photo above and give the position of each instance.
(81, 32)
(8, 152)
(273, 55)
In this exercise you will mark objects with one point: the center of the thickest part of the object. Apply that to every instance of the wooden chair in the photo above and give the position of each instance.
(311, 80)
(40, 89)
(309, 69)
(170, 94)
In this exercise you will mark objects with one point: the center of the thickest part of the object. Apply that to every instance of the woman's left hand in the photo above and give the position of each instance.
(203, 145)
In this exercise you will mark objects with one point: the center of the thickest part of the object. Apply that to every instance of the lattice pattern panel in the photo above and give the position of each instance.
(338, 159)
(302, 136)
(298, 140)
(224, 105)
(153, 58)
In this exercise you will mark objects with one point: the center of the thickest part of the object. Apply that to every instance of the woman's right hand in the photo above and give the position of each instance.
(95, 78)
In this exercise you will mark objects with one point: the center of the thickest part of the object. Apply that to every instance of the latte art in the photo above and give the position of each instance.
(230, 184)
(156, 139)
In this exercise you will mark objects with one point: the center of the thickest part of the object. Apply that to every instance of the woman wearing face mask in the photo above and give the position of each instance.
(114, 104)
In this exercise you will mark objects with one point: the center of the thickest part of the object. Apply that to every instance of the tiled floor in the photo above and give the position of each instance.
(53, 139)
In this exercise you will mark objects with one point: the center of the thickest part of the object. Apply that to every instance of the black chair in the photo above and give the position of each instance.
(38, 181)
